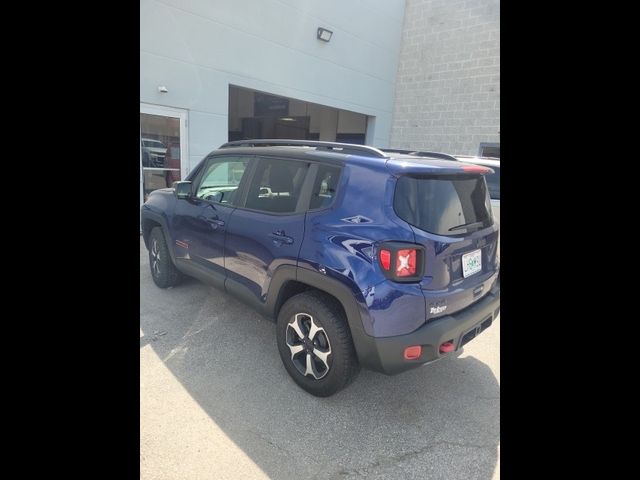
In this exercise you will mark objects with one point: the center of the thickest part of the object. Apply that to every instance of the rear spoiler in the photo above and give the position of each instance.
(444, 156)
(424, 166)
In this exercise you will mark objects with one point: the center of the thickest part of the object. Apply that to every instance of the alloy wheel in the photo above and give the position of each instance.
(309, 346)
(155, 258)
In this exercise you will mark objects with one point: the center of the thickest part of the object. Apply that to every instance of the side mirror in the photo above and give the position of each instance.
(182, 189)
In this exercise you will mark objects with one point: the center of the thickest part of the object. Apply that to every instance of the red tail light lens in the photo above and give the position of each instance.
(406, 263)
(385, 259)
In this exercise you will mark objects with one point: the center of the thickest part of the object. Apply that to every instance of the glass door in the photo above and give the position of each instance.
(163, 148)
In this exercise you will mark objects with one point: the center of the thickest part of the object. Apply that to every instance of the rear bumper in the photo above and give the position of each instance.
(386, 354)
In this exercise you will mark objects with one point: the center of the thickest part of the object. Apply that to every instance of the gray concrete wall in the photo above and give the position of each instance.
(448, 83)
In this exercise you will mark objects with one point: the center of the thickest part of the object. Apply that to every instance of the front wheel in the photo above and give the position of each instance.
(315, 344)
(163, 271)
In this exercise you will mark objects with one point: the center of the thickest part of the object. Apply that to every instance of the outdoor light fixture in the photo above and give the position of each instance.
(162, 89)
(287, 119)
(324, 34)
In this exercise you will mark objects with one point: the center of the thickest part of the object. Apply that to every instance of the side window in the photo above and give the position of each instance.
(276, 185)
(324, 188)
(221, 178)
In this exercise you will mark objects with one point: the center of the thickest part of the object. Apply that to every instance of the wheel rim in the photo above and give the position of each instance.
(309, 346)
(155, 258)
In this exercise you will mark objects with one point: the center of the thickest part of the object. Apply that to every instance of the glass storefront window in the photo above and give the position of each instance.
(160, 149)
(254, 114)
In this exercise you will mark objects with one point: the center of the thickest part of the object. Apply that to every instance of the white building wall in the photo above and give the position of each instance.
(197, 48)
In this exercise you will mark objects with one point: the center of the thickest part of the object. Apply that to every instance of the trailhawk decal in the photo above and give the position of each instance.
(436, 310)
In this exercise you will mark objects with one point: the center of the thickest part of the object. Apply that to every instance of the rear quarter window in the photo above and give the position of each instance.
(324, 188)
(444, 205)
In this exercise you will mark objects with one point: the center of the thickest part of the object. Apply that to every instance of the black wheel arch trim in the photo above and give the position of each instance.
(363, 343)
(162, 221)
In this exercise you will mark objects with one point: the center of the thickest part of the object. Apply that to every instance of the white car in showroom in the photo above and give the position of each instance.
(493, 182)
(153, 153)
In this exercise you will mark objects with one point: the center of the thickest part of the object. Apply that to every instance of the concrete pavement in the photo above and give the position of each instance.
(216, 403)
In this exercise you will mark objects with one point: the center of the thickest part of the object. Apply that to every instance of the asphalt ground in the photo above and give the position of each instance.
(216, 402)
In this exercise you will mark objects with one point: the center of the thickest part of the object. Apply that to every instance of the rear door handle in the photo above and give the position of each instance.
(214, 222)
(280, 238)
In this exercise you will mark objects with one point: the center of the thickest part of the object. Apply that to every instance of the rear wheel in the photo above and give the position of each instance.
(163, 271)
(315, 344)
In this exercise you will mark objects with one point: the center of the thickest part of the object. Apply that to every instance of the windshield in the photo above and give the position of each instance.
(444, 205)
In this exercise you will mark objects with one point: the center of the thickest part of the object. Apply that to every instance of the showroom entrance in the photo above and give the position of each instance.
(254, 114)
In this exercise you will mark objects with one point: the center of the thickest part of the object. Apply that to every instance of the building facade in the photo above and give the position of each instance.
(424, 75)
(215, 70)
(448, 82)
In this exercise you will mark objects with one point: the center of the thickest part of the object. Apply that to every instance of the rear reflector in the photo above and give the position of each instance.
(447, 347)
(385, 259)
(413, 352)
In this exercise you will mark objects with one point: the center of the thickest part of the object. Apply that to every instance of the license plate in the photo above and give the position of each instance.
(471, 263)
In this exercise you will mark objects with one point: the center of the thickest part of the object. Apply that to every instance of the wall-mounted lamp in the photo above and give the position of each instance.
(162, 89)
(324, 34)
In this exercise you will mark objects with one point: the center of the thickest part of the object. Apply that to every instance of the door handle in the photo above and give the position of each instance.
(214, 222)
(279, 238)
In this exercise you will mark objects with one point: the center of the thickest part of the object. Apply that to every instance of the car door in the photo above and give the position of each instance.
(266, 232)
(200, 222)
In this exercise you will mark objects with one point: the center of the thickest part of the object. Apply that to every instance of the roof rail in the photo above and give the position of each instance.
(444, 156)
(348, 148)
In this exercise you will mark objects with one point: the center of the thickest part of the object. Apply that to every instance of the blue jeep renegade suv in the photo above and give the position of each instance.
(382, 259)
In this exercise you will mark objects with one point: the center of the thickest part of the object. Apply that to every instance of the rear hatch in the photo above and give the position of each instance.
(448, 207)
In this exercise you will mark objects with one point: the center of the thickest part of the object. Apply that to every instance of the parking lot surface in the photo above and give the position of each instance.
(216, 402)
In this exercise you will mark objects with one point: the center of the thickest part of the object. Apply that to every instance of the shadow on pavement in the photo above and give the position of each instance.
(440, 421)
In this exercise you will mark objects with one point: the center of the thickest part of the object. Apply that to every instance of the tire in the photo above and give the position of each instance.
(331, 341)
(163, 271)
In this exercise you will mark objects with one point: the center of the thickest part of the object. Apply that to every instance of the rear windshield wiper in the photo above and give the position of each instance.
(467, 225)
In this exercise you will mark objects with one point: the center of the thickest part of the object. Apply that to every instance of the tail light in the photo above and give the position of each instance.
(406, 262)
(402, 262)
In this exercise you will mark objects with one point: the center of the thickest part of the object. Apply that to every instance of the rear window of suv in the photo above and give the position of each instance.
(444, 205)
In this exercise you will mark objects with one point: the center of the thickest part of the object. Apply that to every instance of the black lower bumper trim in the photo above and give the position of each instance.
(386, 354)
